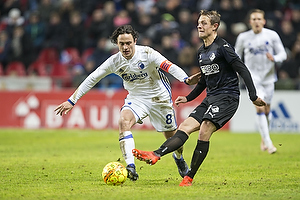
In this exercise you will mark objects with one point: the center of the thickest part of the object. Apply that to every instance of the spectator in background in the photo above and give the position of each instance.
(65, 8)
(14, 19)
(96, 28)
(165, 27)
(8, 5)
(239, 10)
(55, 32)
(186, 25)
(45, 8)
(36, 30)
(109, 9)
(144, 21)
(172, 7)
(122, 18)
(260, 49)
(292, 64)
(287, 34)
(4, 48)
(133, 14)
(295, 18)
(75, 32)
(21, 47)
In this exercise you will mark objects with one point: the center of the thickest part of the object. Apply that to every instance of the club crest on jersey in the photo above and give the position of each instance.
(141, 65)
(200, 58)
(212, 56)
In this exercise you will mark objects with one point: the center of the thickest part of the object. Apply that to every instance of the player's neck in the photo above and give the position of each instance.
(210, 39)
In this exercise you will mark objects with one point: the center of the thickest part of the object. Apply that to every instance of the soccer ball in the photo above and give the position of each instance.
(114, 173)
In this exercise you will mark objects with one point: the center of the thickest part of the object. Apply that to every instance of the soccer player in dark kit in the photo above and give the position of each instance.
(218, 64)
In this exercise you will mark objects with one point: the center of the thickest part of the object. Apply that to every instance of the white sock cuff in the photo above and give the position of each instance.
(126, 135)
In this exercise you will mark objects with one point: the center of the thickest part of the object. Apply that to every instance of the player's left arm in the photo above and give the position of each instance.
(179, 74)
(279, 51)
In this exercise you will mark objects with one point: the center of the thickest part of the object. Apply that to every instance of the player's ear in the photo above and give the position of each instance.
(216, 26)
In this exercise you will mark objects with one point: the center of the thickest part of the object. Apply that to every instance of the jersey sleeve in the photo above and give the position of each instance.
(168, 66)
(177, 72)
(243, 71)
(280, 53)
(90, 81)
(239, 46)
(237, 64)
(198, 89)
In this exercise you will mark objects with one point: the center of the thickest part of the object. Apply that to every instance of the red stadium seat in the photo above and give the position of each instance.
(59, 70)
(72, 56)
(48, 56)
(15, 68)
(61, 75)
(86, 54)
(38, 67)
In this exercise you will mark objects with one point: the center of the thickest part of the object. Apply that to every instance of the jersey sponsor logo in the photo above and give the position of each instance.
(259, 50)
(165, 65)
(210, 69)
(133, 77)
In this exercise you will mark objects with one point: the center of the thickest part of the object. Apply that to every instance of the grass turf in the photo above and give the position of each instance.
(67, 164)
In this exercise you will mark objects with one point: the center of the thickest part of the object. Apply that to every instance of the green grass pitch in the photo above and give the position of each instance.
(67, 164)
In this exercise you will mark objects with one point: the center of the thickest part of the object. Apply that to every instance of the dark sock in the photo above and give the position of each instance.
(199, 155)
(172, 143)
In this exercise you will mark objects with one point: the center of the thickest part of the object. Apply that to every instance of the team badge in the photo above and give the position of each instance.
(212, 56)
(141, 65)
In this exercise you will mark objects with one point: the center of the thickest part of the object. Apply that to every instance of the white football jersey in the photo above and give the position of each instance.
(253, 48)
(141, 75)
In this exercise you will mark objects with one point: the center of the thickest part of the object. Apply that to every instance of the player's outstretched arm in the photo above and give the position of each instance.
(63, 108)
(180, 99)
(194, 79)
(259, 102)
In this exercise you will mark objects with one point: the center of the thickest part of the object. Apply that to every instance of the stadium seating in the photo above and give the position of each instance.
(86, 54)
(48, 56)
(72, 56)
(39, 68)
(60, 74)
(15, 68)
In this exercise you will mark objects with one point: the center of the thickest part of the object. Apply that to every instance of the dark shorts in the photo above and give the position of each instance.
(218, 109)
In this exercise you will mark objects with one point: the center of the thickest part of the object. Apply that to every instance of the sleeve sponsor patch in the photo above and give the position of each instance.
(165, 65)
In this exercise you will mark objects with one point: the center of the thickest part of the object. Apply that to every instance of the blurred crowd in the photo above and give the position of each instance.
(67, 39)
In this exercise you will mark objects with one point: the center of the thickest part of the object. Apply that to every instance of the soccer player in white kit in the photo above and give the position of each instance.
(149, 92)
(261, 48)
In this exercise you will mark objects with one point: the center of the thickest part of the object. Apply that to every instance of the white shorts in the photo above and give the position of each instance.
(161, 114)
(265, 91)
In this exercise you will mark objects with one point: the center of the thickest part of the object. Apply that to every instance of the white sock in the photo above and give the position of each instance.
(126, 145)
(263, 128)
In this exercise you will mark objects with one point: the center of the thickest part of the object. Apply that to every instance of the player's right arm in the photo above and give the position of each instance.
(83, 88)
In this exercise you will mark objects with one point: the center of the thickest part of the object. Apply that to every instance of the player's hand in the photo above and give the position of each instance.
(179, 100)
(270, 56)
(63, 108)
(194, 79)
(259, 102)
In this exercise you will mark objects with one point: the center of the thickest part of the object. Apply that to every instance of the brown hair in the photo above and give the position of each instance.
(122, 30)
(213, 15)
